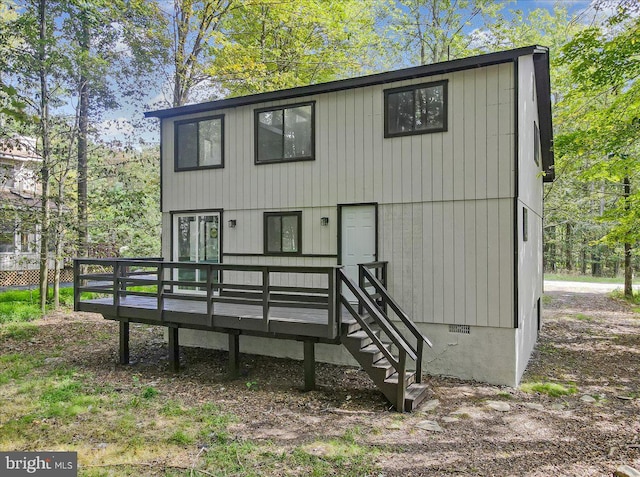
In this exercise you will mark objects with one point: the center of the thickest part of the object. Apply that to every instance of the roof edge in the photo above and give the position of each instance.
(357, 82)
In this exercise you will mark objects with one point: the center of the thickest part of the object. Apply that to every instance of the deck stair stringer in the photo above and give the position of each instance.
(379, 345)
(381, 371)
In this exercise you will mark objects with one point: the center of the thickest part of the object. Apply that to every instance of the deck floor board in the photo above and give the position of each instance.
(279, 316)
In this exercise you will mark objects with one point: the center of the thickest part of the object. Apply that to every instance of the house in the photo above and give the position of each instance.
(433, 173)
(19, 204)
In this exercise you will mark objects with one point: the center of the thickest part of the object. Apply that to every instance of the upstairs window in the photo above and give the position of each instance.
(417, 109)
(199, 143)
(285, 134)
(282, 233)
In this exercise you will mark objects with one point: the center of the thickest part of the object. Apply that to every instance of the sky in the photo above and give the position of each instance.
(120, 123)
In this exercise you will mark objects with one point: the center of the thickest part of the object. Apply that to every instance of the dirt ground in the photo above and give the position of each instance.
(588, 340)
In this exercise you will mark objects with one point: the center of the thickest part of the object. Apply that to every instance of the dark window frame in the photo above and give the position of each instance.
(256, 129)
(265, 234)
(525, 224)
(414, 88)
(177, 124)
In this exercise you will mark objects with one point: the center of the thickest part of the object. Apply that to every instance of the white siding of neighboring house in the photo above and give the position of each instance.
(530, 193)
(445, 199)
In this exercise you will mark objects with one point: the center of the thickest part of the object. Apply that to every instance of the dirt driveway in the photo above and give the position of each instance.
(589, 346)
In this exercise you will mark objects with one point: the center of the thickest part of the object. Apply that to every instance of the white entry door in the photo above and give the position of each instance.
(358, 239)
(196, 239)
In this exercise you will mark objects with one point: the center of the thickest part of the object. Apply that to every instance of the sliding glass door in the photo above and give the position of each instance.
(196, 239)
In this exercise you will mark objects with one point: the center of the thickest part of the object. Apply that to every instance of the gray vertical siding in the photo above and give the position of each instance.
(530, 193)
(446, 199)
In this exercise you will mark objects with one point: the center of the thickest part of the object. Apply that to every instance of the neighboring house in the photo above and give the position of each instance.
(437, 169)
(19, 205)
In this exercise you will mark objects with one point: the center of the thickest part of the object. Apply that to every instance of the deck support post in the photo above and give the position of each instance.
(124, 342)
(309, 365)
(174, 349)
(234, 355)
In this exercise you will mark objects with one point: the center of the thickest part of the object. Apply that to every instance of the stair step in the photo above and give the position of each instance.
(414, 395)
(374, 351)
(362, 337)
(383, 368)
(352, 325)
(393, 378)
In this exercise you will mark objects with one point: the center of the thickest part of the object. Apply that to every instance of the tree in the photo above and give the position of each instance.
(96, 33)
(42, 57)
(602, 118)
(193, 25)
(433, 30)
(266, 45)
(123, 206)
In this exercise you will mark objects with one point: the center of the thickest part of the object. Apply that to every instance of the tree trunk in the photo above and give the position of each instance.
(628, 269)
(44, 171)
(552, 249)
(596, 268)
(568, 249)
(83, 129)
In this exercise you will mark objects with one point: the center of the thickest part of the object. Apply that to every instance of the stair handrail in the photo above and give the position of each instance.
(367, 329)
(381, 320)
(387, 299)
(380, 288)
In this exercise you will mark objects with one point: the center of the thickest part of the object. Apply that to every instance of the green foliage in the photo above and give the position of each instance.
(583, 317)
(15, 366)
(266, 45)
(599, 118)
(19, 331)
(180, 438)
(618, 294)
(564, 277)
(124, 199)
(23, 305)
(150, 392)
(430, 31)
(550, 389)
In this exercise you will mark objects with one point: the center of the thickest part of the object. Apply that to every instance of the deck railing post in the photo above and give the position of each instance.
(160, 291)
(419, 361)
(76, 284)
(116, 285)
(332, 310)
(383, 276)
(361, 285)
(265, 297)
(210, 294)
(402, 383)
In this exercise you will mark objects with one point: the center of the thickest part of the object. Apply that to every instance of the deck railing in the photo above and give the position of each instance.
(206, 282)
(380, 295)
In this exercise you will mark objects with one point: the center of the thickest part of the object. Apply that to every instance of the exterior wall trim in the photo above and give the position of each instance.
(303, 255)
(516, 237)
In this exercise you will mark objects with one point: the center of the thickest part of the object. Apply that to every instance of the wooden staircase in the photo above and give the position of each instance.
(377, 343)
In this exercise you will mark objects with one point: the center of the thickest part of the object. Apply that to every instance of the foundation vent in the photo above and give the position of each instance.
(464, 329)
